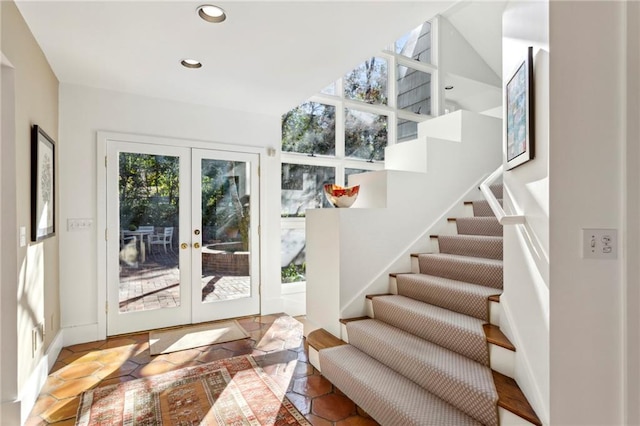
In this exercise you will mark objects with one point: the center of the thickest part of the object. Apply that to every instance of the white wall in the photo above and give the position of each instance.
(84, 111)
(525, 300)
(632, 243)
(586, 180)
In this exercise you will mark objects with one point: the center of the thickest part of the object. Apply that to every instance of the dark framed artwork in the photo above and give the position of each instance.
(42, 185)
(519, 107)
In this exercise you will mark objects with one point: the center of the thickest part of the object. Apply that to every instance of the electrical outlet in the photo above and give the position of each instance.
(600, 243)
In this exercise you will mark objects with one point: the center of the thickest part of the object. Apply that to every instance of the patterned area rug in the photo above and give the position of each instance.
(232, 391)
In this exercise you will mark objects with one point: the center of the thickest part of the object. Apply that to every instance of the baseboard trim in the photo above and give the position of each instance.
(534, 394)
(81, 334)
(38, 377)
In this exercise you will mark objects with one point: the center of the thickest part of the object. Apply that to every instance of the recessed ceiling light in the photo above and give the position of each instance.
(448, 87)
(191, 63)
(211, 13)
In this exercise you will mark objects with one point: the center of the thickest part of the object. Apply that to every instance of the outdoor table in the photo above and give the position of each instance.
(141, 234)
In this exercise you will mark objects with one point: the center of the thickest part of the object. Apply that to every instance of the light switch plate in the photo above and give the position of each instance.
(599, 243)
(79, 224)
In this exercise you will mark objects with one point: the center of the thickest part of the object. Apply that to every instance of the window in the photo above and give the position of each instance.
(367, 82)
(310, 128)
(344, 130)
(302, 188)
(365, 135)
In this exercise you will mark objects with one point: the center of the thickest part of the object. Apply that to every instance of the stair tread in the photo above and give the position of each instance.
(371, 296)
(348, 320)
(458, 332)
(497, 337)
(321, 339)
(510, 397)
(478, 270)
(387, 396)
(459, 296)
(461, 258)
(466, 384)
(478, 225)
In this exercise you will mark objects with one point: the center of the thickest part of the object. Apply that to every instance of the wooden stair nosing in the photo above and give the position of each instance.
(451, 219)
(348, 320)
(511, 398)
(495, 298)
(495, 336)
(322, 339)
(371, 296)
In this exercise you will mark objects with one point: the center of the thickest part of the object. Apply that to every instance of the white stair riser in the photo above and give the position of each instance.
(468, 210)
(494, 313)
(502, 360)
(369, 308)
(507, 418)
(314, 357)
(415, 265)
(393, 285)
(343, 333)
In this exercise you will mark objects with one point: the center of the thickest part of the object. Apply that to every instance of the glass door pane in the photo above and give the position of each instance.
(145, 206)
(225, 218)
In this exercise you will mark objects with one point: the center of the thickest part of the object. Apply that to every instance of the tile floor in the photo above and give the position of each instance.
(276, 343)
(155, 284)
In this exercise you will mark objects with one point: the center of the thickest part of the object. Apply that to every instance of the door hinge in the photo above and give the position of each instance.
(106, 307)
(105, 161)
(258, 171)
(105, 234)
(259, 230)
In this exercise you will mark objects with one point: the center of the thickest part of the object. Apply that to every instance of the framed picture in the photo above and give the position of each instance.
(519, 125)
(42, 185)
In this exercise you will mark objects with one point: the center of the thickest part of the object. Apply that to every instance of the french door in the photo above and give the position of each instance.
(182, 235)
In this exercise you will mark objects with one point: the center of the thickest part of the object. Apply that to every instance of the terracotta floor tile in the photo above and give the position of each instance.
(69, 422)
(318, 421)
(117, 369)
(333, 407)
(301, 402)
(76, 371)
(84, 347)
(111, 356)
(239, 345)
(74, 387)
(357, 421)
(179, 358)
(57, 366)
(61, 410)
(154, 367)
(116, 380)
(51, 383)
(312, 386)
(41, 405)
(214, 355)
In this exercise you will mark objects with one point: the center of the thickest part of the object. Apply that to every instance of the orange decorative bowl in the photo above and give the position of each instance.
(340, 196)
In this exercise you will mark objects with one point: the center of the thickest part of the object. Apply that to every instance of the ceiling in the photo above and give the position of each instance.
(267, 57)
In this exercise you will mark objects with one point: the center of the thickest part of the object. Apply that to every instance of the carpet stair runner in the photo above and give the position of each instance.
(423, 358)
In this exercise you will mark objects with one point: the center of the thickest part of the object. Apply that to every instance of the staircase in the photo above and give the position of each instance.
(431, 352)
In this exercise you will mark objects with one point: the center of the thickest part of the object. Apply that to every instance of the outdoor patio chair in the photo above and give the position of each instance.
(165, 238)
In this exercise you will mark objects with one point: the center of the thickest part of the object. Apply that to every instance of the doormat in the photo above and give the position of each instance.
(179, 339)
(231, 391)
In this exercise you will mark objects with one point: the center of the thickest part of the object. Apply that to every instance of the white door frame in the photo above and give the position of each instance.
(102, 138)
